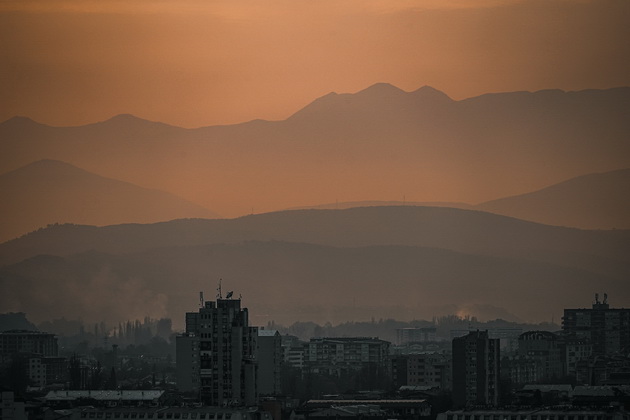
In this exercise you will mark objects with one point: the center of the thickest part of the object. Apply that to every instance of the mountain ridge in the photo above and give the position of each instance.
(51, 191)
(376, 87)
(591, 201)
(352, 149)
(465, 231)
(280, 273)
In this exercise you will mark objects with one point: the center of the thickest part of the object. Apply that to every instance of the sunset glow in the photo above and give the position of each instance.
(197, 63)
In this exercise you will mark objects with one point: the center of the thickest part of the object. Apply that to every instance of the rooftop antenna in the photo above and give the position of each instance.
(605, 298)
(219, 296)
(596, 298)
(201, 299)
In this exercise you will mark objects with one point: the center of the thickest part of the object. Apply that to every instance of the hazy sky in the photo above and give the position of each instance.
(206, 62)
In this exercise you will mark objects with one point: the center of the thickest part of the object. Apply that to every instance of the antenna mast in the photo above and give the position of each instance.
(219, 295)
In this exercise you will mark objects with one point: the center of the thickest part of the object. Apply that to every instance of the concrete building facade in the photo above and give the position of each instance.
(217, 354)
(431, 370)
(607, 329)
(269, 362)
(28, 342)
(333, 356)
(476, 361)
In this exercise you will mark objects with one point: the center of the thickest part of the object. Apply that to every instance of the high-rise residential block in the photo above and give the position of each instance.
(476, 359)
(216, 357)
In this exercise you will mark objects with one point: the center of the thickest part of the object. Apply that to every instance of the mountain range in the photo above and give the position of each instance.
(402, 261)
(509, 178)
(593, 201)
(48, 192)
(381, 143)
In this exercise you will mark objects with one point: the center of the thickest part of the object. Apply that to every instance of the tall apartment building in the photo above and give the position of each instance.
(476, 359)
(216, 356)
(608, 329)
(187, 361)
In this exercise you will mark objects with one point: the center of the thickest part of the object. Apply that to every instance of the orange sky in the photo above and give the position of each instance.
(206, 62)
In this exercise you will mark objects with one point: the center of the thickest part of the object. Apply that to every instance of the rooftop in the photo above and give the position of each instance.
(124, 395)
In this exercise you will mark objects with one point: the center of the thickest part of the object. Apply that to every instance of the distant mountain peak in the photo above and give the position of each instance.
(378, 94)
(430, 93)
(20, 121)
(125, 117)
(381, 89)
(48, 166)
(126, 120)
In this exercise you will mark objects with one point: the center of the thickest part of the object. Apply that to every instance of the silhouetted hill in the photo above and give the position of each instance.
(353, 204)
(49, 191)
(381, 102)
(129, 125)
(465, 231)
(286, 282)
(594, 201)
(376, 144)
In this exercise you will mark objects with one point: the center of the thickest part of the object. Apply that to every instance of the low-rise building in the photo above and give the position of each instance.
(408, 409)
(28, 342)
(415, 335)
(333, 356)
(10, 409)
